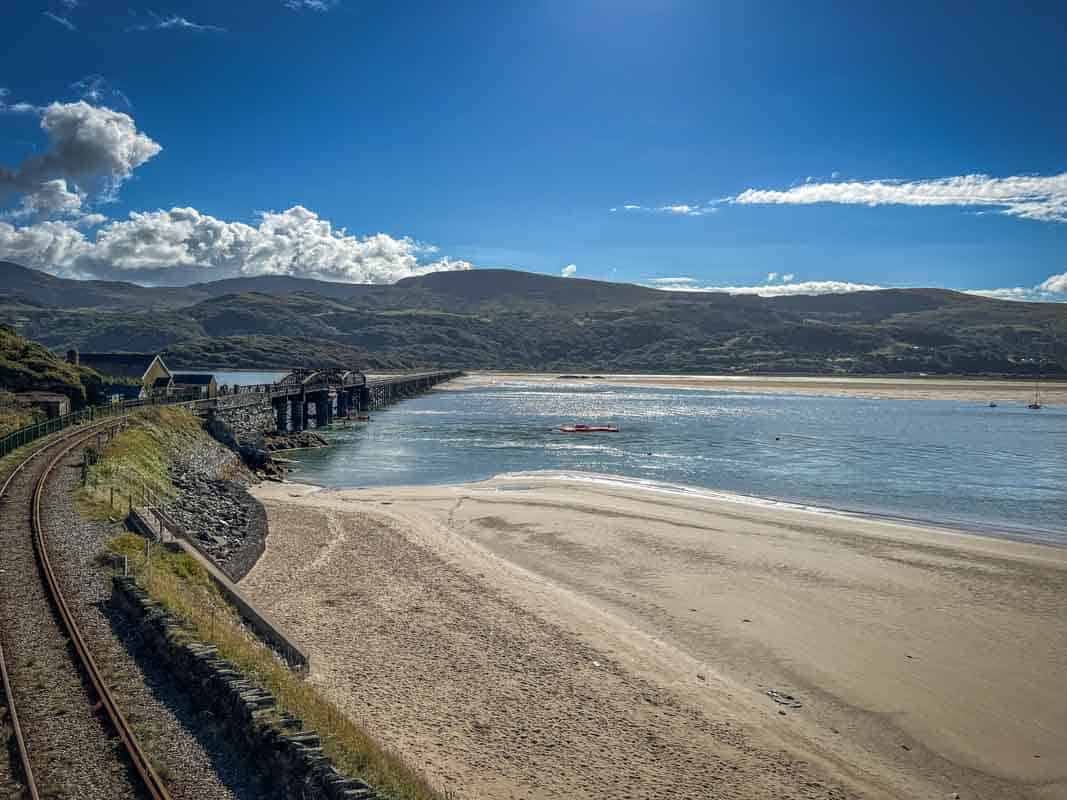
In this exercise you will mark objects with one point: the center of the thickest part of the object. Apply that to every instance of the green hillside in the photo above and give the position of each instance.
(502, 319)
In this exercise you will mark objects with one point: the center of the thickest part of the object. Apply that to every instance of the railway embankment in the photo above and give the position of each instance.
(167, 462)
(175, 605)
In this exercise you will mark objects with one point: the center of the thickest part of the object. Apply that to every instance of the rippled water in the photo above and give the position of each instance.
(952, 463)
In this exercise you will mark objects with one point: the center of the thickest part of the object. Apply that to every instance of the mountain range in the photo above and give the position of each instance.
(505, 319)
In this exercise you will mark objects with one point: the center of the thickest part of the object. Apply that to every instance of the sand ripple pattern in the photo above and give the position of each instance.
(485, 696)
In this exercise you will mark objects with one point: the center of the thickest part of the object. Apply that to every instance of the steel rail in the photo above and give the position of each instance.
(152, 782)
(9, 694)
(147, 774)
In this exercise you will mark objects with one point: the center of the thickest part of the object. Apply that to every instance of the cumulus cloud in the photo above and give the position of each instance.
(86, 144)
(1035, 197)
(569, 271)
(41, 245)
(66, 23)
(1057, 284)
(772, 277)
(185, 242)
(788, 277)
(50, 198)
(174, 22)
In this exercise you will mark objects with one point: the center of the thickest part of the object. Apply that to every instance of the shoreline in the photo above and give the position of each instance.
(975, 531)
(895, 638)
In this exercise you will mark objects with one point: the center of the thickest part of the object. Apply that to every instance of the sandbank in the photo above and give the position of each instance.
(977, 390)
(535, 636)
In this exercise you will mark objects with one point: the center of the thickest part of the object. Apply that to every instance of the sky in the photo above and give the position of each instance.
(765, 147)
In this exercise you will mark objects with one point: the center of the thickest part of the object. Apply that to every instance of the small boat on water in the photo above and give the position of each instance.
(579, 428)
(992, 403)
(1034, 406)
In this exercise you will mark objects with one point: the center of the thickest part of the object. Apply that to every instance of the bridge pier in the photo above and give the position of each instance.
(297, 412)
(323, 409)
(281, 415)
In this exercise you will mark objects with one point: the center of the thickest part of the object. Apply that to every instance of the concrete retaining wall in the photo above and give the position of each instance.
(269, 631)
(291, 756)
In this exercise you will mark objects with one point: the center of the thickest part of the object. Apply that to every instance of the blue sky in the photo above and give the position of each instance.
(502, 134)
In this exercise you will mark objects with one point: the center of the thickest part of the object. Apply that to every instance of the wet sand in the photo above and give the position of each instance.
(533, 637)
(977, 390)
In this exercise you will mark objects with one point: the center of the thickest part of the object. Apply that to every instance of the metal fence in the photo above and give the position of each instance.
(30, 433)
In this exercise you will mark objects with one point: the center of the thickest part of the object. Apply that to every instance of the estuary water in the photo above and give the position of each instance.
(997, 470)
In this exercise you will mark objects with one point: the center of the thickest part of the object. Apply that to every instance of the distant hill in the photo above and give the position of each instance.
(504, 319)
(39, 288)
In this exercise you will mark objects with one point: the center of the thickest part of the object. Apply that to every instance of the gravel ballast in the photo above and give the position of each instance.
(187, 747)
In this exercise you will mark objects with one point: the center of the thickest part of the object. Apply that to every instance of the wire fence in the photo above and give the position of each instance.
(30, 433)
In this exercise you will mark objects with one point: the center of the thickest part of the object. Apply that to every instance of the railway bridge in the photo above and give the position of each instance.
(319, 395)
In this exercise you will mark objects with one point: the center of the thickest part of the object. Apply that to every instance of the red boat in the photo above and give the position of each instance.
(588, 429)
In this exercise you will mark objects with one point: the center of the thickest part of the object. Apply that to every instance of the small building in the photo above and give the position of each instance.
(51, 403)
(144, 367)
(119, 392)
(196, 384)
(161, 386)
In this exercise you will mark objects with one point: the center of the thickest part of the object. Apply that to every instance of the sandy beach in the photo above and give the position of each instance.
(977, 390)
(542, 637)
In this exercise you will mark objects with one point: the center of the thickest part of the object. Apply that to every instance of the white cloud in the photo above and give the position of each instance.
(86, 144)
(19, 108)
(1056, 284)
(50, 198)
(174, 22)
(182, 240)
(311, 5)
(1052, 290)
(672, 281)
(41, 245)
(676, 209)
(782, 289)
(1036, 197)
(569, 271)
(96, 90)
(66, 23)
(772, 277)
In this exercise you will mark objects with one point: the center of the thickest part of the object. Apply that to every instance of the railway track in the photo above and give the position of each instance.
(47, 670)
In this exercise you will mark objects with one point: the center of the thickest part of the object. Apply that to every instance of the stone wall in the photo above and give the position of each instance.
(241, 422)
(249, 416)
(291, 756)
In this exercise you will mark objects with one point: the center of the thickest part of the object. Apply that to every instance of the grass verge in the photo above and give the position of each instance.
(179, 583)
(133, 465)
